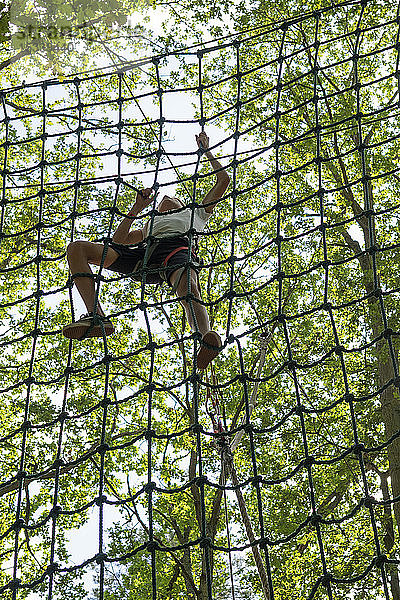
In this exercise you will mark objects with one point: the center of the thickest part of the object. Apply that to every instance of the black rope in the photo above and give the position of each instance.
(38, 185)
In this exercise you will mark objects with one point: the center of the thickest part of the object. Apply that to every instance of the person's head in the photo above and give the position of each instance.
(169, 203)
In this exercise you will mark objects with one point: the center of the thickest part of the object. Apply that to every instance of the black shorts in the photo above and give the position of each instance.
(156, 272)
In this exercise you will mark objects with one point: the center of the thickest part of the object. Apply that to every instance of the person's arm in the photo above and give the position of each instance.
(219, 189)
(122, 234)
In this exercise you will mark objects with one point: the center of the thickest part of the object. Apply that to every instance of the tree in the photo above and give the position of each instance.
(55, 38)
(330, 344)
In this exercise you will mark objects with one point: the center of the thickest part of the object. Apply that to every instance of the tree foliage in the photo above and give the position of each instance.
(314, 248)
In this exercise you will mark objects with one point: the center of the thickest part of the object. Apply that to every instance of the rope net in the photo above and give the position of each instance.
(127, 472)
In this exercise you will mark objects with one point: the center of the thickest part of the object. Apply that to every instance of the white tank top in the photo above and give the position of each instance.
(177, 223)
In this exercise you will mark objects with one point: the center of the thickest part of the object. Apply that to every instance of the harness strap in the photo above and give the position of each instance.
(182, 270)
(139, 265)
(171, 254)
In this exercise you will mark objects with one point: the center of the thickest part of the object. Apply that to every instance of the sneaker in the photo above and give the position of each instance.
(211, 346)
(84, 327)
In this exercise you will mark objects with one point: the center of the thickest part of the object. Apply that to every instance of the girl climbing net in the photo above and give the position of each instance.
(161, 249)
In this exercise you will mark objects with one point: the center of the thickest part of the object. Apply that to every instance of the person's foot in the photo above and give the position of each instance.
(84, 328)
(211, 346)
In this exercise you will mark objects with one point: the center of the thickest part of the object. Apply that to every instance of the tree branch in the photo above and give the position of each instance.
(15, 58)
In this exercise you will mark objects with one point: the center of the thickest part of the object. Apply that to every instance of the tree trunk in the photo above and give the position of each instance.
(390, 403)
(391, 419)
(388, 539)
(389, 397)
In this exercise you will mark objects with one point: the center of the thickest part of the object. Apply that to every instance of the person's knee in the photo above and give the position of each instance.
(189, 285)
(195, 292)
(76, 249)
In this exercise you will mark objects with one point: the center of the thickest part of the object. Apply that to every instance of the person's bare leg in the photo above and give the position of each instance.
(196, 312)
(81, 255)
(197, 316)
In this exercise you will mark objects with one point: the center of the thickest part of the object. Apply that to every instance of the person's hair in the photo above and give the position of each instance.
(174, 198)
(180, 201)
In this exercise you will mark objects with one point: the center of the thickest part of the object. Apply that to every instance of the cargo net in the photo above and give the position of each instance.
(125, 471)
